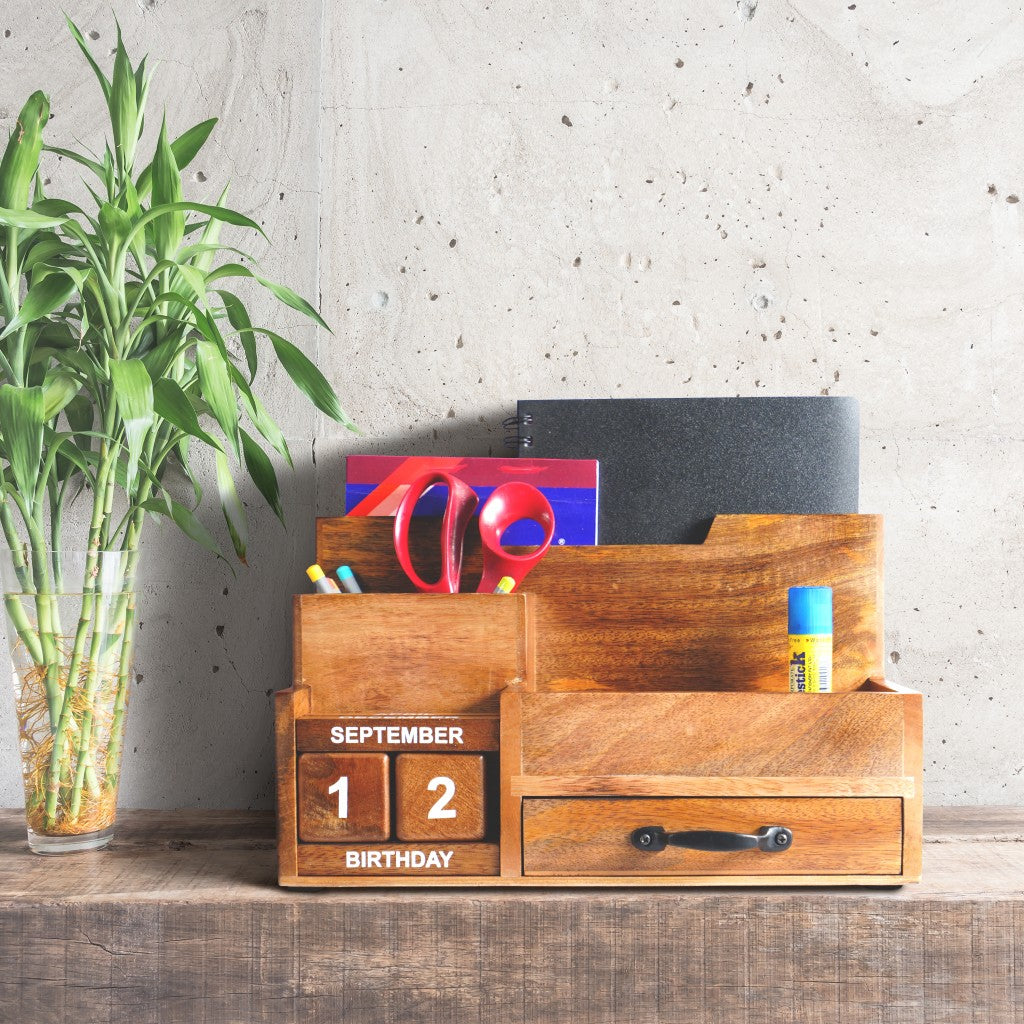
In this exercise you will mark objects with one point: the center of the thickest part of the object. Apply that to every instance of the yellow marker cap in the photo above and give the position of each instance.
(314, 572)
(505, 585)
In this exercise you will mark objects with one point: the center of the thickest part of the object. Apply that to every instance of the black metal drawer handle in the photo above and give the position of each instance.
(770, 839)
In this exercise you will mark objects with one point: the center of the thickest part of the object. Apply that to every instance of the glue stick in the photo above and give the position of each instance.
(810, 639)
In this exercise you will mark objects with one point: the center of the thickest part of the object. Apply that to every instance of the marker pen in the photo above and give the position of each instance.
(505, 585)
(348, 580)
(320, 581)
(810, 639)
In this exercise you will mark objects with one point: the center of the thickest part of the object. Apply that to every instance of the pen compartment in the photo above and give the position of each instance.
(621, 681)
(402, 654)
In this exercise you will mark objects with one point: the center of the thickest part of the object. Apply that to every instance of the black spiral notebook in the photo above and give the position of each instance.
(669, 465)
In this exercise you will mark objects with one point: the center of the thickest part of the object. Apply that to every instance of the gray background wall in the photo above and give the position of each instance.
(598, 198)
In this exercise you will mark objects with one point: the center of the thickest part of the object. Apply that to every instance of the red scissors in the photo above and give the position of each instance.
(507, 505)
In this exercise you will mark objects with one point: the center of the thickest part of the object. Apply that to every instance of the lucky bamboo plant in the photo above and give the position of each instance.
(122, 348)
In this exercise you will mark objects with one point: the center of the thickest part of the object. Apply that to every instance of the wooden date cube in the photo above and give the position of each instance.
(440, 796)
(343, 797)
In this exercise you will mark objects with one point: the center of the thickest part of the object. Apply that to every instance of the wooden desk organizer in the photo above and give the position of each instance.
(479, 739)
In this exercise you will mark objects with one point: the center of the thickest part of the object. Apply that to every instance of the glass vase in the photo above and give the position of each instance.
(70, 619)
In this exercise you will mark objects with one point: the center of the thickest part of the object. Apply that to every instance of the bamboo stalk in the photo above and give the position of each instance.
(92, 678)
(112, 773)
(15, 611)
(57, 760)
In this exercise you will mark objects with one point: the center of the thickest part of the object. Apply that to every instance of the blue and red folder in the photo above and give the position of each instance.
(376, 484)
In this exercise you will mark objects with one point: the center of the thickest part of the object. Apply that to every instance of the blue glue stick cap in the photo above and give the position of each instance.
(810, 611)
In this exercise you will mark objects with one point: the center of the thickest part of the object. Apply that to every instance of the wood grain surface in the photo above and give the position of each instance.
(439, 796)
(475, 732)
(673, 617)
(831, 836)
(365, 799)
(287, 703)
(407, 654)
(447, 858)
(180, 921)
(711, 785)
(728, 734)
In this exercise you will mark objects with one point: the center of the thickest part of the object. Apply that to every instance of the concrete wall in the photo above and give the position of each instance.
(601, 199)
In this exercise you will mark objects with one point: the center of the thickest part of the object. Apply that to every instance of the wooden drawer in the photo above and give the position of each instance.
(831, 835)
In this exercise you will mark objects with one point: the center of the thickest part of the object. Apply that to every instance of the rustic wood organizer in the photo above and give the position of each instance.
(625, 688)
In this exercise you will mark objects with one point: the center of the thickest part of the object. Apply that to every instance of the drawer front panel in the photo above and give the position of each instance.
(831, 835)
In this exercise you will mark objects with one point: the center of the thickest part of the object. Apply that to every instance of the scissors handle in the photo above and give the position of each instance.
(458, 511)
(507, 505)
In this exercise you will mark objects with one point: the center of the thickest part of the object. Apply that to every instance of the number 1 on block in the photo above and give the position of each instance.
(341, 788)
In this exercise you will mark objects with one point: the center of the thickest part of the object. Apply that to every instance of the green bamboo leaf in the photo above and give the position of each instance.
(167, 231)
(186, 522)
(284, 293)
(234, 513)
(195, 279)
(215, 382)
(186, 468)
(173, 405)
(40, 300)
(124, 107)
(78, 158)
(210, 236)
(28, 219)
(21, 421)
(133, 395)
(238, 317)
(102, 78)
(59, 387)
(48, 336)
(115, 225)
(79, 413)
(47, 248)
(81, 361)
(261, 470)
(266, 426)
(308, 379)
(56, 208)
(141, 86)
(21, 158)
(133, 206)
(191, 253)
(216, 212)
(66, 454)
(159, 358)
(185, 148)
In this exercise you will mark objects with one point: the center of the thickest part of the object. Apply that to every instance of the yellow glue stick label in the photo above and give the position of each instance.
(810, 664)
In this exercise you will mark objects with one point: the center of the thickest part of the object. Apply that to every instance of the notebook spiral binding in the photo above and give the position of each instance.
(514, 436)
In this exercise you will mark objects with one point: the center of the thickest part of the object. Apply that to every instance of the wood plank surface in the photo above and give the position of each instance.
(408, 654)
(710, 785)
(670, 617)
(474, 732)
(361, 810)
(844, 734)
(404, 860)
(440, 796)
(831, 835)
(180, 921)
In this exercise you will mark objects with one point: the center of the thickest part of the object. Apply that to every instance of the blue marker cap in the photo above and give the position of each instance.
(810, 611)
(348, 579)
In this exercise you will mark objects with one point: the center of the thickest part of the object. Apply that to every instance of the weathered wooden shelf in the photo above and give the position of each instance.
(182, 920)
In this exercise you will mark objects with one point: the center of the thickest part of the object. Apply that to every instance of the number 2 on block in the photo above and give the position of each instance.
(441, 808)
(341, 788)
